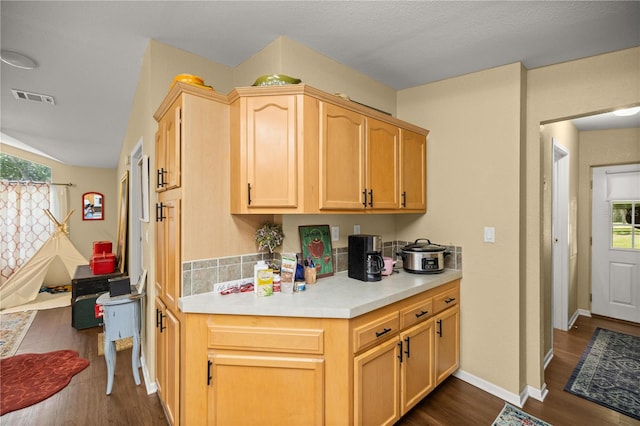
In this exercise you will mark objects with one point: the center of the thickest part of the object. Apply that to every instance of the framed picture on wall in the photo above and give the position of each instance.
(123, 220)
(315, 242)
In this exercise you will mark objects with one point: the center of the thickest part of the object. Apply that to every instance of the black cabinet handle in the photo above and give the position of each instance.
(162, 326)
(400, 351)
(371, 198)
(404, 199)
(209, 363)
(449, 300)
(248, 194)
(160, 212)
(439, 328)
(157, 317)
(364, 196)
(384, 331)
(408, 351)
(160, 182)
(421, 313)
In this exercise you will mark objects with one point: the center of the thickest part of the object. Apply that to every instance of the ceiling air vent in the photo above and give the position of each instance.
(30, 96)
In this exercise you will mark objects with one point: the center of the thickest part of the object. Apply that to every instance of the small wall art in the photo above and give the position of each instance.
(92, 206)
(315, 242)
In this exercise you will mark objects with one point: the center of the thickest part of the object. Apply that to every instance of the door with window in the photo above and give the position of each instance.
(615, 250)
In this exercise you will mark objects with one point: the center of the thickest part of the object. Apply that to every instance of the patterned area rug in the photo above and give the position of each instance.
(512, 416)
(13, 328)
(609, 372)
(30, 378)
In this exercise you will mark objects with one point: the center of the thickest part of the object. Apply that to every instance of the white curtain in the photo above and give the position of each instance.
(59, 199)
(24, 226)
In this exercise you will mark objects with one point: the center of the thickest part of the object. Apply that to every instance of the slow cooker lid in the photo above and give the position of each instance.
(424, 246)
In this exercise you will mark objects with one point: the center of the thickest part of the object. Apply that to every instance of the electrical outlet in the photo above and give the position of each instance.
(335, 233)
(356, 229)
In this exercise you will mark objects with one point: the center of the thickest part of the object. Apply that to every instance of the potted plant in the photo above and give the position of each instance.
(269, 236)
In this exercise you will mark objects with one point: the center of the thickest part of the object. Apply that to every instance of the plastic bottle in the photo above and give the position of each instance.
(276, 283)
(259, 266)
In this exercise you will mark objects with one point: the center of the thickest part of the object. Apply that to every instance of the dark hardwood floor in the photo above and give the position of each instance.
(84, 401)
(454, 402)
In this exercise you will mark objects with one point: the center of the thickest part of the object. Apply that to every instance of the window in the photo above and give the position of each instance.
(24, 194)
(625, 224)
(14, 168)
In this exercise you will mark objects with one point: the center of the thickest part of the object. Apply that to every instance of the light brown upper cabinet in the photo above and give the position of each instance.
(272, 143)
(413, 171)
(168, 147)
(296, 149)
(359, 161)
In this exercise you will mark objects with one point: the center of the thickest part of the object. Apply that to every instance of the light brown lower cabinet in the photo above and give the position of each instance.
(394, 376)
(368, 370)
(168, 361)
(254, 389)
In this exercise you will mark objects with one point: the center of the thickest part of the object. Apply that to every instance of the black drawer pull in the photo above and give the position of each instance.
(380, 333)
(449, 300)
(421, 313)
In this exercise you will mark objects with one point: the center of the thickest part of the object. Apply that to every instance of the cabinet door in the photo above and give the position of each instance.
(172, 357)
(161, 348)
(417, 368)
(160, 158)
(377, 385)
(168, 146)
(272, 173)
(172, 241)
(160, 248)
(382, 177)
(265, 390)
(413, 171)
(168, 361)
(447, 342)
(342, 138)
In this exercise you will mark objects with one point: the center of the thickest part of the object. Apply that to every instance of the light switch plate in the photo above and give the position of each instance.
(489, 234)
(356, 229)
(335, 233)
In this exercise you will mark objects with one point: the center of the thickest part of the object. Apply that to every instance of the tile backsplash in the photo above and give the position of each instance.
(200, 276)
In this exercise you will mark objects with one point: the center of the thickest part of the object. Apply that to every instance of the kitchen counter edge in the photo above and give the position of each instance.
(337, 296)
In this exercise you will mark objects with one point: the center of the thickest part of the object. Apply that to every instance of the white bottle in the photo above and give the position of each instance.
(259, 266)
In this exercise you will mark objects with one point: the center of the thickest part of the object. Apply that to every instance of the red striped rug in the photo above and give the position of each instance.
(30, 378)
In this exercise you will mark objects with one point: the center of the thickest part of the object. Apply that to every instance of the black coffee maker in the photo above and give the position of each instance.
(365, 257)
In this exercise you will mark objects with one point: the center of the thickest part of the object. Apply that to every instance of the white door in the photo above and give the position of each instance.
(560, 235)
(615, 250)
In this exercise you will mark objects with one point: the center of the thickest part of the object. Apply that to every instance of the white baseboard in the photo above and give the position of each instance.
(510, 397)
(538, 394)
(548, 358)
(505, 395)
(149, 384)
(573, 318)
(584, 313)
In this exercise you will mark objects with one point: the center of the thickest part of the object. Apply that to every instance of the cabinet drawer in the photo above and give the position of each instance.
(375, 331)
(292, 340)
(415, 313)
(445, 300)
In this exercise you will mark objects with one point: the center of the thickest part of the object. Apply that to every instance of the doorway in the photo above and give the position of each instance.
(136, 253)
(615, 249)
(560, 238)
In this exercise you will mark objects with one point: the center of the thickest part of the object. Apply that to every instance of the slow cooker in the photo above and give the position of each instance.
(423, 257)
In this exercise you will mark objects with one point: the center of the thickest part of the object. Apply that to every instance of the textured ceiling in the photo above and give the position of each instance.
(90, 52)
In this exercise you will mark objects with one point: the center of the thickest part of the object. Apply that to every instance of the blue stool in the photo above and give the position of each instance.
(121, 320)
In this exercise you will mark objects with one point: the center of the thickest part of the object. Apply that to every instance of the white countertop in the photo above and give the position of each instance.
(337, 296)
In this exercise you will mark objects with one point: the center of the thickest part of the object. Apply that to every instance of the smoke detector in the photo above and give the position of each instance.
(30, 96)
